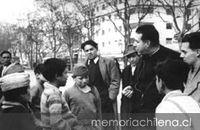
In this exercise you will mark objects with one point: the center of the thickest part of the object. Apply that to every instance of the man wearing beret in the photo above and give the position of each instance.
(104, 74)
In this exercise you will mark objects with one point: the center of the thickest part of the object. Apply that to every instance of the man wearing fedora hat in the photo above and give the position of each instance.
(104, 74)
(128, 80)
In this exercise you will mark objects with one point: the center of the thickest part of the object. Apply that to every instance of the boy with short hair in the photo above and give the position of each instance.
(54, 109)
(177, 105)
(84, 100)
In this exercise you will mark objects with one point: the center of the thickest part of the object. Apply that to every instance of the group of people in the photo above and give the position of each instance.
(160, 80)
(157, 80)
(93, 96)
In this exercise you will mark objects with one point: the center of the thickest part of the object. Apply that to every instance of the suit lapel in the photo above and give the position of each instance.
(102, 67)
(191, 85)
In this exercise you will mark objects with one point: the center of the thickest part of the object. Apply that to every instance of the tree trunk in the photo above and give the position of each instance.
(71, 57)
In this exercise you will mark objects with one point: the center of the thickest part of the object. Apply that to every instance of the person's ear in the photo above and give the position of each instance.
(198, 53)
(148, 43)
(56, 76)
(37, 75)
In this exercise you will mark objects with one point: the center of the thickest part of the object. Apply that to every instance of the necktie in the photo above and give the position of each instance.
(91, 62)
(91, 68)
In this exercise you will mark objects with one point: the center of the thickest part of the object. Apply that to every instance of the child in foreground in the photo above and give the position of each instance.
(83, 99)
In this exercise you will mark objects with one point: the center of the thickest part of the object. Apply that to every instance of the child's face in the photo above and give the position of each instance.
(63, 78)
(81, 81)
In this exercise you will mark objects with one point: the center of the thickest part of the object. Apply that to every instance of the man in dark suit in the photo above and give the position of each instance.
(148, 46)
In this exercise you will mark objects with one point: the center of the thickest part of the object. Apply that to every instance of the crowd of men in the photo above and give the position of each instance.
(157, 80)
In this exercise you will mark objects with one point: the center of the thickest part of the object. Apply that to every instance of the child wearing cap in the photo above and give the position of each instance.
(84, 100)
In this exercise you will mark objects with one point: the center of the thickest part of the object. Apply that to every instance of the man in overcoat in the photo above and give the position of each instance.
(152, 52)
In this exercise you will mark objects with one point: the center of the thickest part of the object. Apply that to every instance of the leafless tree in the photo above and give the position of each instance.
(180, 10)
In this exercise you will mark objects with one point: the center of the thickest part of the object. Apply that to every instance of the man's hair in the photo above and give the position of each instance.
(53, 67)
(150, 33)
(39, 69)
(3, 52)
(193, 39)
(172, 73)
(89, 42)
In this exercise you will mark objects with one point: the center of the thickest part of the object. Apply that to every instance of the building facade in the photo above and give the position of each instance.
(109, 28)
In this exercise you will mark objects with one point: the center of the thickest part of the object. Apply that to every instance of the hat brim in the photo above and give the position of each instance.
(130, 53)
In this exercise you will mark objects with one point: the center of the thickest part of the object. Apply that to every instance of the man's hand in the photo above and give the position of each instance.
(127, 91)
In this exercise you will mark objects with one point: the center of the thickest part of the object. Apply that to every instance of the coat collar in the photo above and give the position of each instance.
(173, 93)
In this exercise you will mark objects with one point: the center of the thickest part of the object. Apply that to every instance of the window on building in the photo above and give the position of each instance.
(116, 16)
(120, 14)
(103, 19)
(97, 9)
(188, 12)
(103, 7)
(97, 33)
(103, 44)
(120, 28)
(168, 11)
(168, 40)
(169, 26)
(188, 26)
(148, 10)
(115, 29)
(88, 13)
(97, 21)
(115, 2)
(120, 1)
(132, 11)
(103, 32)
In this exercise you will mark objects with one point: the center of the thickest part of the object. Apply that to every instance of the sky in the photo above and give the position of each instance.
(11, 10)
